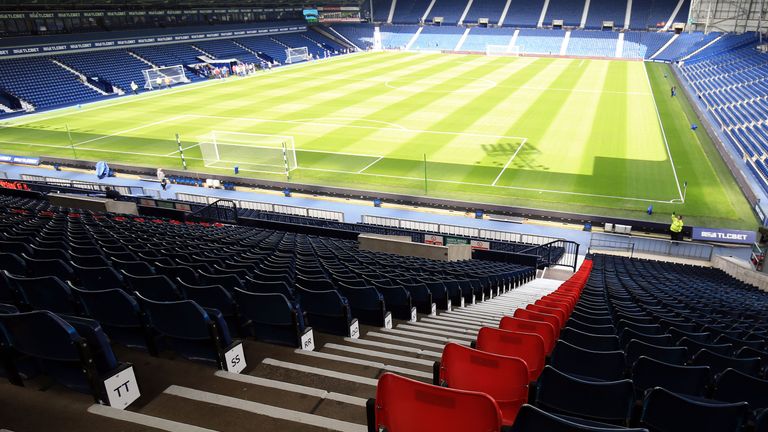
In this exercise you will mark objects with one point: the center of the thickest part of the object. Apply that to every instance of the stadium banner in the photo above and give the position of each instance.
(434, 240)
(19, 160)
(479, 244)
(97, 13)
(724, 235)
(140, 41)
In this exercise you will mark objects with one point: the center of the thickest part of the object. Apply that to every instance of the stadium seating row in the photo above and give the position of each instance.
(637, 336)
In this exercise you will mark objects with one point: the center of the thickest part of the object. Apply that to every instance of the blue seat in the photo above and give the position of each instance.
(629, 334)
(120, 316)
(590, 341)
(397, 300)
(271, 287)
(694, 347)
(188, 329)
(135, 268)
(609, 402)
(49, 267)
(664, 411)
(271, 317)
(174, 272)
(719, 363)
(677, 334)
(228, 281)
(60, 351)
(734, 386)
(602, 330)
(158, 288)
(326, 311)
(367, 304)
(12, 263)
(672, 355)
(421, 297)
(97, 278)
(585, 364)
(214, 297)
(43, 293)
(648, 373)
(8, 309)
(532, 419)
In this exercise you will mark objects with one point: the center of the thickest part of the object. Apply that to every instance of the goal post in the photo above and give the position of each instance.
(503, 50)
(293, 55)
(263, 153)
(162, 76)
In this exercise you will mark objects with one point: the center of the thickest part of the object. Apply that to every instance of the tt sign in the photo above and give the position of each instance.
(724, 235)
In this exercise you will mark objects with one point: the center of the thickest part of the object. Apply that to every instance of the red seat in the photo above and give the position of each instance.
(519, 323)
(559, 313)
(526, 346)
(503, 378)
(557, 303)
(552, 320)
(405, 405)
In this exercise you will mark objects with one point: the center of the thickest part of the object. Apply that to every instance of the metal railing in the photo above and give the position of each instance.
(267, 207)
(651, 246)
(84, 185)
(559, 252)
(219, 210)
(457, 230)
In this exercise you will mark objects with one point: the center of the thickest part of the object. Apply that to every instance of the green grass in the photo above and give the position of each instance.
(562, 134)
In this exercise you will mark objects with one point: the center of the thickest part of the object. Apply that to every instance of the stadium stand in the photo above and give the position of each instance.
(490, 9)
(64, 87)
(605, 10)
(395, 37)
(438, 38)
(568, 11)
(479, 38)
(539, 41)
(360, 35)
(652, 14)
(169, 55)
(411, 12)
(381, 10)
(685, 44)
(592, 43)
(639, 45)
(449, 10)
(117, 67)
(524, 14)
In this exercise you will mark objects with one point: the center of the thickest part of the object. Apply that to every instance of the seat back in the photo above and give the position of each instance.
(695, 346)
(735, 386)
(648, 373)
(602, 365)
(608, 401)
(532, 419)
(43, 293)
(406, 405)
(603, 330)
(119, 314)
(629, 334)
(664, 411)
(158, 288)
(590, 341)
(541, 328)
(503, 378)
(561, 315)
(719, 363)
(528, 347)
(671, 355)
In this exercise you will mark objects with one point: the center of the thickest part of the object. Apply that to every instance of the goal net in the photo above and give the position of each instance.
(293, 55)
(503, 50)
(249, 152)
(163, 76)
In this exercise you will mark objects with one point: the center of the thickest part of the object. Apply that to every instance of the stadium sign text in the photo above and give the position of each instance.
(724, 235)
(21, 160)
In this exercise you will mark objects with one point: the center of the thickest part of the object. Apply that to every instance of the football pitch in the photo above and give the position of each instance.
(589, 136)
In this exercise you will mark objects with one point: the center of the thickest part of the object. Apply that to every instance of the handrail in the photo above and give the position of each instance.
(218, 212)
(551, 255)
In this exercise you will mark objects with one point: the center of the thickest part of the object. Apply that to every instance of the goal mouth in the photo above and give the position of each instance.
(253, 152)
(295, 55)
(503, 50)
(162, 77)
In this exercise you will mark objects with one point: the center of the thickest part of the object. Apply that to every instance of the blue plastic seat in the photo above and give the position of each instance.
(719, 363)
(43, 293)
(120, 316)
(586, 364)
(694, 347)
(664, 411)
(648, 373)
(590, 341)
(734, 386)
(609, 401)
(271, 317)
(214, 297)
(60, 351)
(602, 330)
(532, 419)
(367, 304)
(397, 300)
(630, 334)
(188, 329)
(97, 278)
(158, 288)
(326, 311)
(672, 355)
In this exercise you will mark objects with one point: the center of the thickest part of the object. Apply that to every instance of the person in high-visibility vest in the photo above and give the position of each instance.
(676, 229)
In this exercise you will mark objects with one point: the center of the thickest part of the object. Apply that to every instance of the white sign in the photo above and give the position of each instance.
(308, 340)
(414, 317)
(234, 359)
(354, 330)
(479, 244)
(122, 388)
(433, 240)
(483, 297)
(388, 320)
(449, 304)
(434, 310)
(474, 299)
(462, 304)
